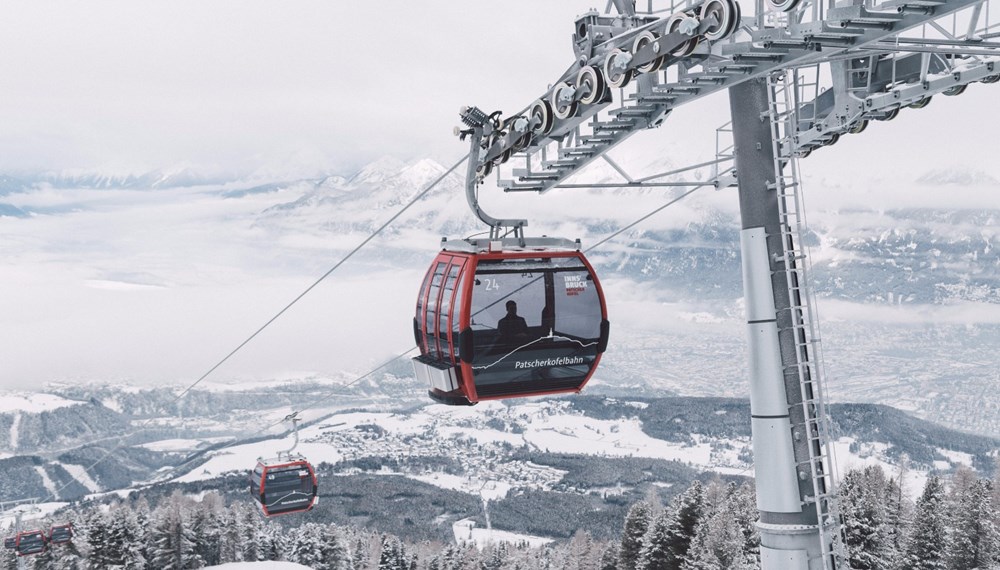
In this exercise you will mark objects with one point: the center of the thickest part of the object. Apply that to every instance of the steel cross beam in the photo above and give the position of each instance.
(583, 115)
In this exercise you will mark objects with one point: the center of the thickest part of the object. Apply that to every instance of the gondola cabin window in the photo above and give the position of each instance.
(495, 325)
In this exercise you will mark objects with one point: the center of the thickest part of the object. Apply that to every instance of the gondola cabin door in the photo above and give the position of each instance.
(521, 321)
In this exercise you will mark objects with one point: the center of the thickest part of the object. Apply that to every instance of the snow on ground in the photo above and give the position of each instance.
(489, 490)
(244, 457)
(433, 430)
(15, 430)
(465, 532)
(547, 426)
(181, 445)
(8, 517)
(259, 566)
(49, 485)
(79, 472)
(956, 456)
(612, 438)
(34, 402)
(873, 454)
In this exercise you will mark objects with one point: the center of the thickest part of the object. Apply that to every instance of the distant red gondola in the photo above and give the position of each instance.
(284, 488)
(61, 534)
(30, 542)
(509, 318)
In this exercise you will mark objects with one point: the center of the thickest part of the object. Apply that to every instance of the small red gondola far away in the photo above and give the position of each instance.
(30, 542)
(284, 488)
(287, 484)
(61, 534)
(508, 318)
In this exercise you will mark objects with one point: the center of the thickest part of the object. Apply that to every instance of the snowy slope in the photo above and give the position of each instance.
(486, 441)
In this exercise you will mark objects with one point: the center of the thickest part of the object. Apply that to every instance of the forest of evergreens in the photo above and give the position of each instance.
(954, 524)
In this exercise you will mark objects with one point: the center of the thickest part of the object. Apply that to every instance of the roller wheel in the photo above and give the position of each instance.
(832, 140)
(804, 153)
(686, 48)
(724, 13)
(858, 128)
(738, 19)
(590, 83)
(541, 117)
(563, 107)
(890, 115)
(522, 143)
(990, 79)
(484, 169)
(783, 5)
(920, 104)
(642, 40)
(615, 75)
(505, 155)
(956, 90)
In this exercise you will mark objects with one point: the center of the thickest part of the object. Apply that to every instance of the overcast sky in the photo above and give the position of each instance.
(310, 85)
(136, 84)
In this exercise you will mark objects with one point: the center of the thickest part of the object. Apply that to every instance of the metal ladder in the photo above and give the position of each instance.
(783, 105)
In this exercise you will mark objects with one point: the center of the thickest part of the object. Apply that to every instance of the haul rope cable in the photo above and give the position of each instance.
(330, 394)
(414, 200)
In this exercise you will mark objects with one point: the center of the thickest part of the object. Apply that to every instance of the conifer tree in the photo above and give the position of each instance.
(270, 543)
(307, 546)
(250, 530)
(743, 506)
(609, 558)
(335, 554)
(975, 540)
(635, 528)
(581, 553)
(65, 557)
(655, 553)
(97, 538)
(719, 542)
(862, 496)
(172, 539)
(125, 539)
(206, 526)
(926, 545)
(393, 556)
(359, 558)
(684, 523)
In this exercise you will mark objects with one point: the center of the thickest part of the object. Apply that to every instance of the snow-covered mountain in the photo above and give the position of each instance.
(574, 446)
(914, 255)
(673, 283)
(958, 177)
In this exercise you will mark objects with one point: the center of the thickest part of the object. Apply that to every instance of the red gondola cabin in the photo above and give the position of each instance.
(284, 488)
(30, 542)
(61, 534)
(510, 318)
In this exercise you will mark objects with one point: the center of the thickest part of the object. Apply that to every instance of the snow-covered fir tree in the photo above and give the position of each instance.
(633, 533)
(335, 553)
(655, 553)
(863, 495)
(974, 541)
(708, 527)
(609, 558)
(926, 546)
(684, 523)
(172, 538)
(720, 543)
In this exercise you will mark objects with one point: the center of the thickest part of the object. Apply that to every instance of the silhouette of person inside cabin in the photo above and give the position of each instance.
(511, 329)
